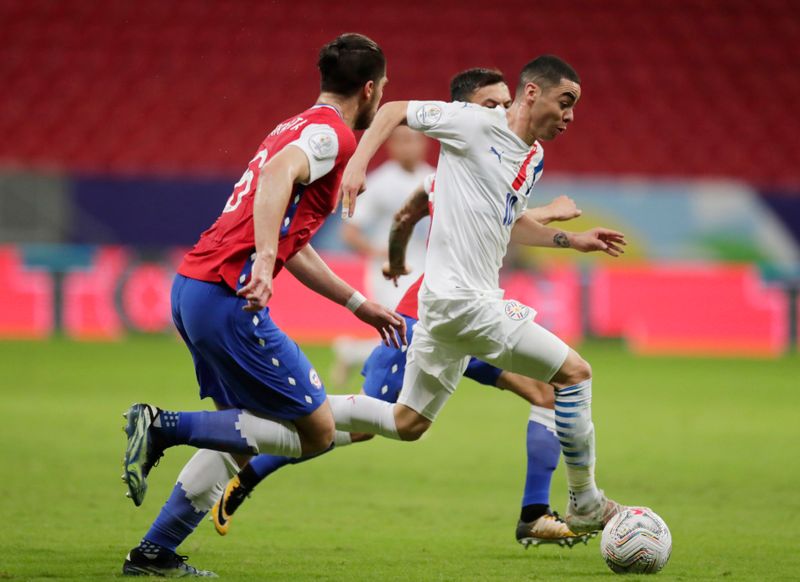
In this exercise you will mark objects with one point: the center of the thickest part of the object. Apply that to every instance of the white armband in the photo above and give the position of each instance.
(356, 300)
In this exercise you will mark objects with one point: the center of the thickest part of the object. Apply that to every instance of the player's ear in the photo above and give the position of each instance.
(532, 92)
(368, 90)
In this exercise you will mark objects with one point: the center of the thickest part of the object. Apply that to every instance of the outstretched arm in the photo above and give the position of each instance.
(388, 117)
(309, 268)
(527, 231)
(414, 209)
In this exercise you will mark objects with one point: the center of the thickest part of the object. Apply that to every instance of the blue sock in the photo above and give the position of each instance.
(543, 454)
(175, 522)
(262, 466)
(266, 465)
(205, 430)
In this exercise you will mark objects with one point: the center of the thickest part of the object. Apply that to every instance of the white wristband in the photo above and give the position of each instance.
(356, 300)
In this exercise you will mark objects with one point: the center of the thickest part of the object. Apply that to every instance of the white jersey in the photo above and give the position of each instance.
(484, 178)
(387, 188)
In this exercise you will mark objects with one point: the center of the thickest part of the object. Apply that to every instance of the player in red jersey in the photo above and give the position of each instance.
(269, 397)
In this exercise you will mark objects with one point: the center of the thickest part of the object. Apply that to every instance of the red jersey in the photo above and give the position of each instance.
(224, 249)
(409, 304)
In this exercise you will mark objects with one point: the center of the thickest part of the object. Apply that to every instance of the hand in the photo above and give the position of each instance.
(392, 273)
(353, 183)
(599, 239)
(387, 322)
(258, 290)
(563, 208)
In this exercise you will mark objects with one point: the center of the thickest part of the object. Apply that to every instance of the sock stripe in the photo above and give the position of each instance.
(560, 414)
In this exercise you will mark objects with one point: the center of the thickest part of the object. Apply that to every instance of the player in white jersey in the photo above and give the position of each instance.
(488, 165)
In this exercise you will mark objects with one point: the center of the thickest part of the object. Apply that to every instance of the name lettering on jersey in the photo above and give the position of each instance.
(291, 125)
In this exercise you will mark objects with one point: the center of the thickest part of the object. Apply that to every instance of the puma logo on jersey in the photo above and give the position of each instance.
(498, 154)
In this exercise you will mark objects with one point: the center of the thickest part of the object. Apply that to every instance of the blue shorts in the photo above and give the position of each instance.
(384, 369)
(242, 359)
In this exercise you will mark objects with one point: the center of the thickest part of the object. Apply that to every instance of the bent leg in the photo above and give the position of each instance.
(540, 354)
(199, 484)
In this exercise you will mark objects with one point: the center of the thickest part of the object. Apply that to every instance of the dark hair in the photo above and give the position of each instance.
(348, 62)
(464, 85)
(546, 71)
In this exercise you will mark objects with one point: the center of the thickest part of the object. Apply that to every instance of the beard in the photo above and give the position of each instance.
(364, 118)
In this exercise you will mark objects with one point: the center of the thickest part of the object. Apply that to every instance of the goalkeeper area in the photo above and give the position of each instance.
(709, 444)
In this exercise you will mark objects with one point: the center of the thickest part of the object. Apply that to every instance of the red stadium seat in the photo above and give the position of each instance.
(670, 87)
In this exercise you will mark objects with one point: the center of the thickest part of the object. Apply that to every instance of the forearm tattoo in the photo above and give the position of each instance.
(561, 240)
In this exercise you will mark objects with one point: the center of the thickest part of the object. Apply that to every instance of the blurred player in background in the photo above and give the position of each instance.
(389, 184)
(385, 368)
(269, 397)
(490, 161)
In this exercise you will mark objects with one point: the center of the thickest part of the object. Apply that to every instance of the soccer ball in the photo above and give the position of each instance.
(636, 540)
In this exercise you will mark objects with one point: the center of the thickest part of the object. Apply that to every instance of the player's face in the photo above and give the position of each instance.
(553, 109)
(370, 105)
(407, 147)
(492, 96)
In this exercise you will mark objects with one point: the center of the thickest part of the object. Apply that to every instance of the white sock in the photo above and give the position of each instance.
(342, 438)
(363, 414)
(275, 437)
(575, 431)
(204, 476)
(544, 416)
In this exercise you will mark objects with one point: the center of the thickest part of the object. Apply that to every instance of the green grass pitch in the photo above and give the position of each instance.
(711, 445)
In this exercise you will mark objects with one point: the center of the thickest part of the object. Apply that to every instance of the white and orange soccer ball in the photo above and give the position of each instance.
(636, 540)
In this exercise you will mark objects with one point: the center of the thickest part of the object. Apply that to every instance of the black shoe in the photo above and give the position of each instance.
(162, 563)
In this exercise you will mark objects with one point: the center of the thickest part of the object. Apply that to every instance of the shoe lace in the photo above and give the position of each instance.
(555, 516)
(154, 447)
(181, 563)
(146, 469)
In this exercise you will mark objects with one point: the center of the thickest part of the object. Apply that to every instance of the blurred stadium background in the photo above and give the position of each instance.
(125, 125)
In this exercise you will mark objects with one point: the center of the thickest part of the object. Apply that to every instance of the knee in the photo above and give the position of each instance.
(411, 428)
(583, 371)
(319, 441)
(574, 371)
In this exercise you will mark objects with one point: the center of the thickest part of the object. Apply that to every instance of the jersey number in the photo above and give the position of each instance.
(511, 201)
(242, 187)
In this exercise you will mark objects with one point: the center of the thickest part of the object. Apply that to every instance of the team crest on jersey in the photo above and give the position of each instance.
(322, 145)
(517, 311)
(429, 114)
(313, 377)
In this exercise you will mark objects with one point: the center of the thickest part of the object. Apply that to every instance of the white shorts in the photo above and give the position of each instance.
(500, 332)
